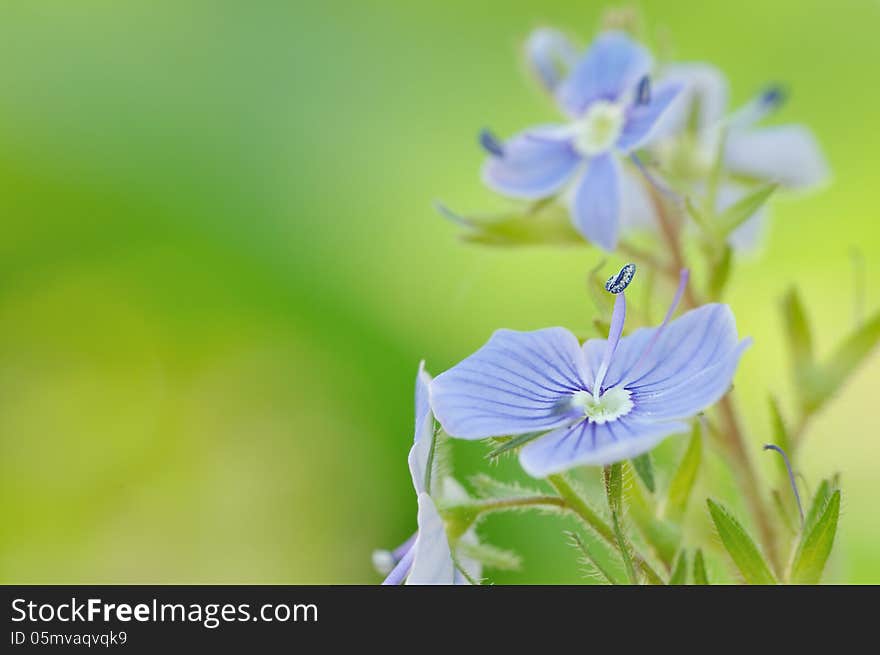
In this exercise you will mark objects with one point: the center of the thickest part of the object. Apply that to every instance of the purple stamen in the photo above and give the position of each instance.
(618, 316)
(791, 479)
(773, 96)
(490, 143)
(683, 277)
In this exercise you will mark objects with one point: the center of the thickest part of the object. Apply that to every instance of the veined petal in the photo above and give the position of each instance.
(787, 154)
(550, 54)
(420, 452)
(534, 164)
(517, 383)
(432, 559)
(588, 443)
(595, 206)
(636, 209)
(642, 120)
(685, 395)
(612, 66)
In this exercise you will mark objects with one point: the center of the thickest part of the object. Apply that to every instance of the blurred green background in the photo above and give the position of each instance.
(220, 266)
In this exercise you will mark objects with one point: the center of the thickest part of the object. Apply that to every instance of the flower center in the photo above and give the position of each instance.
(599, 128)
(610, 406)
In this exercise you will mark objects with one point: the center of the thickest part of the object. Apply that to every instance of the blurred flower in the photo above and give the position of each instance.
(608, 97)
(426, 558)
(697, 132)
(608, 400)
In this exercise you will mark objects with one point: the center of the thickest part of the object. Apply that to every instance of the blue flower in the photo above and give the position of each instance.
(788, 155)
(425, 558)
(608, 400)
(607, 96)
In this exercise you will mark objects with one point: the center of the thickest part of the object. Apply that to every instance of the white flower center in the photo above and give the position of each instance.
(610, 406)
(599, 128)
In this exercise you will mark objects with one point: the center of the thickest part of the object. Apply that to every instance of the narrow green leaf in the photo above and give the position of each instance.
(700, 576)
(742, 210)
(486, 486)
(843, 362)
(679, 572)
(539, 224)
(685, 475)
(644, 467)
(589, 559)
(492, 557)
(512, 444)
(740, 546)
(815, 545)
(780, 432)
(614, 487)
(800, 341)
(720, 273)
(662, 536)
(817, 504)
(709, 228)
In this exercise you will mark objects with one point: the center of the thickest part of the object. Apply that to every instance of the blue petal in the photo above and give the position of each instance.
(535, 164)
(517, 383)
(432, 559)
(421, 449)
(787, 154)
(550, 55)
(588, 443)
(642, 119)
(684, 395)
(595, 208)
(612, 66)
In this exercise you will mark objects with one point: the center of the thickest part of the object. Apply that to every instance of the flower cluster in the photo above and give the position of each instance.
(645, 147)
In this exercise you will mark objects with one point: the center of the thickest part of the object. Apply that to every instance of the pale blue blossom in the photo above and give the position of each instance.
(597, 403)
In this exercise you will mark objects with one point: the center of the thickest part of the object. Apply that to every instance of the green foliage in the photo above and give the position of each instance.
(740, 546)
(738, 213)
(492, 557)
(685, 476)
(679, 572)
(700, 576)
(644, 467)
(594, 562)
(545, 223)
(817, 537)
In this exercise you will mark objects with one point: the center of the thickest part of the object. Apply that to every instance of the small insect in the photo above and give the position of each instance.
(643, 91)
(490, 143)
(617, 283)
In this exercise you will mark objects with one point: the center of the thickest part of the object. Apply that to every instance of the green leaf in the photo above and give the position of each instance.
(614, 487)
(720, 273)
(645, 470)
(679, 572)
(737, 214)
(589, 559)
(492, 557)
(486, 486)
(843, 362)
(816, 543)
(685, 475)
(538, 224)
(662, 536)
(512, 444)
(800, 340)
(817, 504)
(740, 546)
(780, 432)
(700, 576)
(703, 222)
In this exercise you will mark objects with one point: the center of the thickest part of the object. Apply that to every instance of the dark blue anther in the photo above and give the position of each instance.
(491, 144)
(617, 283)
